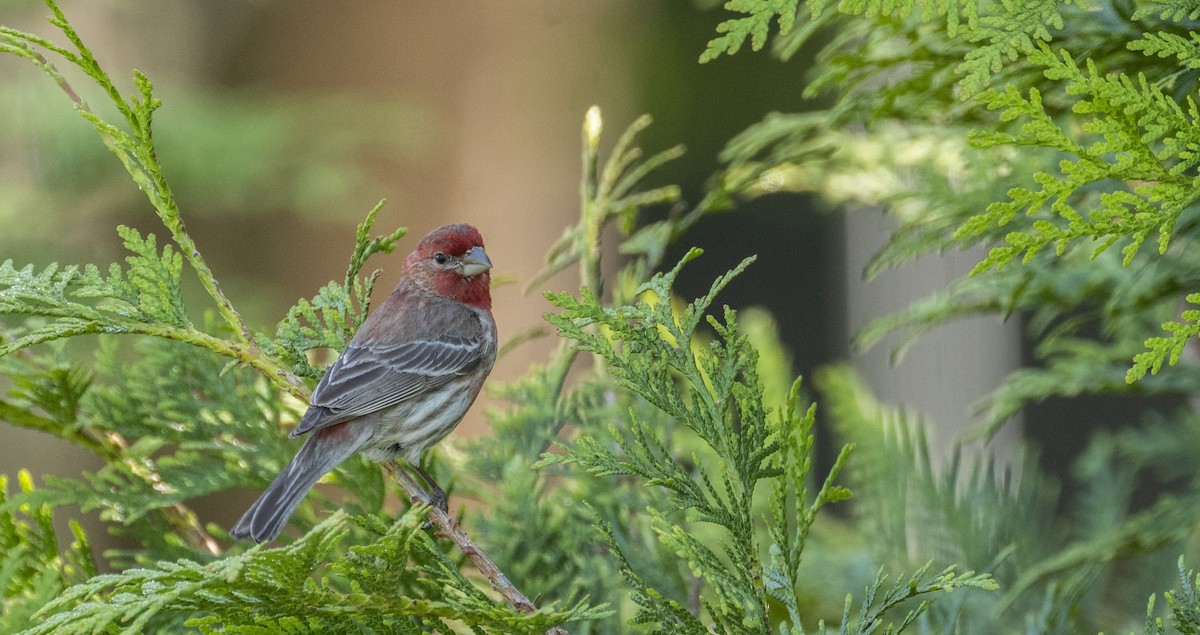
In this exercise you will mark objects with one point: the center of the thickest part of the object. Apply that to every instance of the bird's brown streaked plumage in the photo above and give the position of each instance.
(403, 382)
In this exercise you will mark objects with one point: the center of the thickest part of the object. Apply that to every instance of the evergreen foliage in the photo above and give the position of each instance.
(195, 407)
(1044, 134)
(36, 567)
(673, 487)
(1049, 553)
(1184, 605)
(755, 25)
(398, 582)
(652, 350)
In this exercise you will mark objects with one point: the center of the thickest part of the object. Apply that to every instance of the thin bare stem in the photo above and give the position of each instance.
(450, 529)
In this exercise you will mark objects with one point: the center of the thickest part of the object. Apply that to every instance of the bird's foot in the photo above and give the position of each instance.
(438, 499)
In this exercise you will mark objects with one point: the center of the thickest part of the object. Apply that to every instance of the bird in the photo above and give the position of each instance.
(404, 381)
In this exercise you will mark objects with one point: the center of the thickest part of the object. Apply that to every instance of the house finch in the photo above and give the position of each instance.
(404, 381)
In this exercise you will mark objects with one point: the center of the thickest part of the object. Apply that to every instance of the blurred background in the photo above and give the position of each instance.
(285, 122)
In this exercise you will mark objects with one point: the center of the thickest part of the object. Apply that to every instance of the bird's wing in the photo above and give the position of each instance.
(371, 377)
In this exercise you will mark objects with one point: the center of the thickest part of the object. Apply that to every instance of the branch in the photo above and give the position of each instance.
(247, 353)
(450, 529)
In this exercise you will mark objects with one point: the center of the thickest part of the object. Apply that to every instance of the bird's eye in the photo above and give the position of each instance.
(440, 258)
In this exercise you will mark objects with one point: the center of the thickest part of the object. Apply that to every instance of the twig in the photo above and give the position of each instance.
(247, 353)
(179, 515)
(449, 528)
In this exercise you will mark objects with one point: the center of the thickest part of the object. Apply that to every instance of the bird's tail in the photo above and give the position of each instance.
(320, 453)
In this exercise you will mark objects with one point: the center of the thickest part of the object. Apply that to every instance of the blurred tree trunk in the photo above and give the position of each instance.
(947, 372)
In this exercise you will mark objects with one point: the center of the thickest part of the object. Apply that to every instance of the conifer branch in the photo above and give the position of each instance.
(136, 152)
(246, 353)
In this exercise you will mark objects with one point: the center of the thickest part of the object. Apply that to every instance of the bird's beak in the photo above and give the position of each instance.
(475, 262)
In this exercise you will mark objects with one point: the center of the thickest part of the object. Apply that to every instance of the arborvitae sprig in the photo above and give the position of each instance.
(649, 349)
(710, 392)
(609, 194)
(381, 587)
(1167, 349)
(754, 26)
(880, 598)
(1184, 605)
(35, 566)
(1137, 134)
(74, 301)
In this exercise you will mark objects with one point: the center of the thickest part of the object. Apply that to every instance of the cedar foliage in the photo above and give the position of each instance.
(200, 410)
(671, 487)
(1060, 140)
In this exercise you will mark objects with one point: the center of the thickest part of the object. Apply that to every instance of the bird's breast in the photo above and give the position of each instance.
(406, 429)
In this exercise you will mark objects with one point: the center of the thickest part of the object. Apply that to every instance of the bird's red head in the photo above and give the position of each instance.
(450, 261)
